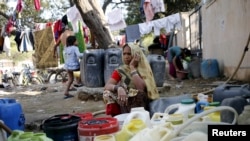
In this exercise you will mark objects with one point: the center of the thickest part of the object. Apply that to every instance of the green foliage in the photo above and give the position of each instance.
(133, 15)
(30, 15)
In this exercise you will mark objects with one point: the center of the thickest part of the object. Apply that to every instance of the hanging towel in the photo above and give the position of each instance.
(132, 33)
(116, 20)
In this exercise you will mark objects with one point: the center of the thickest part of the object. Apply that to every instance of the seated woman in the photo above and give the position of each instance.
(132, 84)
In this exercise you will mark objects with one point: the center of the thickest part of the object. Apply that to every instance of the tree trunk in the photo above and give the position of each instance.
(94, 18)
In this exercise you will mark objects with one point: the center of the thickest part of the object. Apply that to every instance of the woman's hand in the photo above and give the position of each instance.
(122, 96)
(134, 62)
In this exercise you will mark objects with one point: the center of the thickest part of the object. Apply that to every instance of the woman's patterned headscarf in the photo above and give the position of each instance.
(144, 70)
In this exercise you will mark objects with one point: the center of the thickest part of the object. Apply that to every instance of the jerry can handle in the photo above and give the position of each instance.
(171, 107)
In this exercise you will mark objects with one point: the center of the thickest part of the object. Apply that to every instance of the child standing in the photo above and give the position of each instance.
(72, 63)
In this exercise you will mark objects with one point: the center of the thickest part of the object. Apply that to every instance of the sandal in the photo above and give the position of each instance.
(78, 85)
(68, 96)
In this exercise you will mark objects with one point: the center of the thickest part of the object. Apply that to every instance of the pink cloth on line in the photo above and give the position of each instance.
(19, 6)
(37, 5)
(148, 10)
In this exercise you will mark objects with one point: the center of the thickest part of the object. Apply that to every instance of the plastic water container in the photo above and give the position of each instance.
(200, 106)
(244, 117)
(121, 118)
(186, 108)
(130, 129)
(228, 90)
(159, 105)
(158, 66)
(105, 138)
(195, 67)
(12, 114)
(210, 68)
(112, 60)
(92, 68)
(138, 113)
(238, 103)
(90, 128)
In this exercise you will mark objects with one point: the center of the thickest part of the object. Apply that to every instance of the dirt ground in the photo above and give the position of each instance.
(40, 102)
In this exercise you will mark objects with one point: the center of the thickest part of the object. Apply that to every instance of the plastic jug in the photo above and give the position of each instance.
(104, 138)
(130, 129)
(200, 106)
(138, 113)
(244, 117)
(215, 117)
(162, 132)
(186, 107)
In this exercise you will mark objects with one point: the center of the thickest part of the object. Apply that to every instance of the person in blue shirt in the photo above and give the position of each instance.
(72, 63)
(175, 56)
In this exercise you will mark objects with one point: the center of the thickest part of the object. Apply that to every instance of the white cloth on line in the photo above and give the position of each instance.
(74, 16)
(158, 24)
(116, 20)
(158, 6)
(145, 28)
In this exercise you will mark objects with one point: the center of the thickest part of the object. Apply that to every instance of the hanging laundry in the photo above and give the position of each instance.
(6, 45)
(148, 10)
(26, 44)
(145, 28)
(132, 33)
(158, 24)
(74, 16)
(44, 48)
(37, 4)
(19, 6)
(57, 26)
(10, 25)
(116, 20)
(39, 26)
(158, 6)
(174, 21)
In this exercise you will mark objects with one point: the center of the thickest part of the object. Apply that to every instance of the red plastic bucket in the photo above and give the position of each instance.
(84, 116)
(89, 128)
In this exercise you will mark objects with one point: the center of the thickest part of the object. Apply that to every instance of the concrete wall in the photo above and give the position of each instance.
(225, 31)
